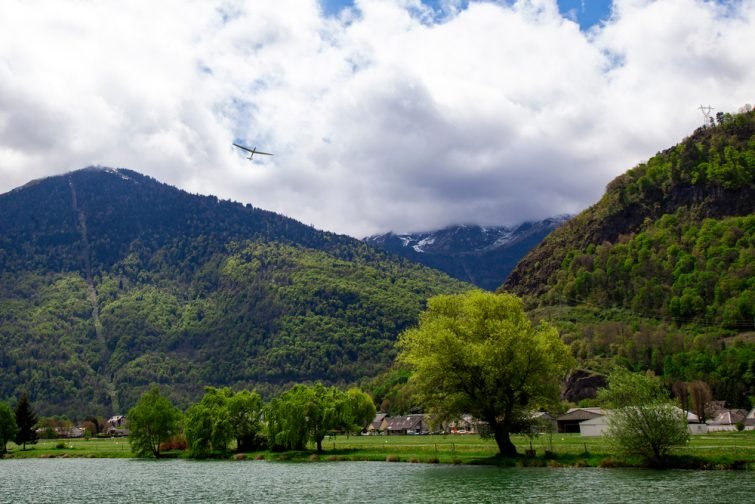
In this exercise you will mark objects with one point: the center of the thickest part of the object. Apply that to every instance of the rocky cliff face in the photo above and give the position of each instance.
(582, 384)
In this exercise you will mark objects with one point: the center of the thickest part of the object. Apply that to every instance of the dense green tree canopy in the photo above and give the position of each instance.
(207, 424)
(478, 353)
(643, 421)
(8, 427)
(245, 410)
(190, 291)
(306, 413)
(153, 420)
(221, 416)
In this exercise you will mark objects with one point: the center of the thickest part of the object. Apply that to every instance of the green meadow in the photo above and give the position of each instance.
(722, 450)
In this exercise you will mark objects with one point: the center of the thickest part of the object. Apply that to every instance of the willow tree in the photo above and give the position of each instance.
(153, 420)
(478, 353)
(306, 413)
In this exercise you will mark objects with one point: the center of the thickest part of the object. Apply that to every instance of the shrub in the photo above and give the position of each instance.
(177, 442)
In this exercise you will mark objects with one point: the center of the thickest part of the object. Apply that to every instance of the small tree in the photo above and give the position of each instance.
(153, 420)
(700, 395)
(644, 421)
(8, 426)
(26, 420)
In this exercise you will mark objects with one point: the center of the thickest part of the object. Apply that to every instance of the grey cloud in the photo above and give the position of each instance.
(489, 114)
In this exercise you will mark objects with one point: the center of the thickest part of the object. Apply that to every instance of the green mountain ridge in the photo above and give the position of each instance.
(709, 175)
(111, 281)
(660, 273)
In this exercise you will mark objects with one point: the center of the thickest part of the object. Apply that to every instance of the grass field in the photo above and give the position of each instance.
(724, 449)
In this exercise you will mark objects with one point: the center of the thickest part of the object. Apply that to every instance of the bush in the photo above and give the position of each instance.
(177, 442)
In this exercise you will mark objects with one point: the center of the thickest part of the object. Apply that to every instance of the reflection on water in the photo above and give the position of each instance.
(117, 480)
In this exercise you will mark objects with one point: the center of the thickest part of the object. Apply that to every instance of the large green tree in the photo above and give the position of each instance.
(26, 420)
(8, 426)
(644, 420)
(359, 410)
(222, 415)
(306, 413)
(478, 353)
(153, 420)
(207, 424)
(246, 411)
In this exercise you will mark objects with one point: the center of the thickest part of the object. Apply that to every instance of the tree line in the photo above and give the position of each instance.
(473, 353)
(303, 414)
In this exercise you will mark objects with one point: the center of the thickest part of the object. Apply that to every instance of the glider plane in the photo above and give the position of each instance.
(251, 151)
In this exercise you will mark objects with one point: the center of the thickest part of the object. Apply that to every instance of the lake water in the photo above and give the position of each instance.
(129, 480)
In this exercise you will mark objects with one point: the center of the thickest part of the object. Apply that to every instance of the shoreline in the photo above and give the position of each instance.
(585, 460)
(718, 451)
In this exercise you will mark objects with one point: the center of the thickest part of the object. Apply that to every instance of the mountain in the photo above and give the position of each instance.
(480, 255)
(111, 280)
(660, 273)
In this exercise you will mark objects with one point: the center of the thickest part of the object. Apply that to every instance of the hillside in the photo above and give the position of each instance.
(480, 255)
(111, 280)
(660, 273)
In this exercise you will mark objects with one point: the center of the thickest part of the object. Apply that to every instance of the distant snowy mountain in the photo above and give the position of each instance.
(481, 255)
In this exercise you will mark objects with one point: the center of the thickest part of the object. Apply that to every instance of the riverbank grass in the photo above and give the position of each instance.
(724, 450)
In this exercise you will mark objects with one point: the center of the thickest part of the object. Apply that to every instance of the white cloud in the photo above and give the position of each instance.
(390, 116)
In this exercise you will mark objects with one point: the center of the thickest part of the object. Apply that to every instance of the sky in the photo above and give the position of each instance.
(383, 115)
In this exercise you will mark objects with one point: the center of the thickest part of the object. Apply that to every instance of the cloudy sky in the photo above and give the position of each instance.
(382, 114)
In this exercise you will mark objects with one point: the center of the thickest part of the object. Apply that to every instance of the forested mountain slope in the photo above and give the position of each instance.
(660, 273)
(671, 237)
(110, 280)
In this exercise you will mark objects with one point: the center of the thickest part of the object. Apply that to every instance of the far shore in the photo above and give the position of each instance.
(721, 451)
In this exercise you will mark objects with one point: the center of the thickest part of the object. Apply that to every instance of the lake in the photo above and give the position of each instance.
(130, 480)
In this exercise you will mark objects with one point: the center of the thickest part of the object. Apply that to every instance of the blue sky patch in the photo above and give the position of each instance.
(585, 12)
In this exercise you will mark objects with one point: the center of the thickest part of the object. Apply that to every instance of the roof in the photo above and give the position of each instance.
(579, 414)
(378, 420)
(404, 422)
(729, 417)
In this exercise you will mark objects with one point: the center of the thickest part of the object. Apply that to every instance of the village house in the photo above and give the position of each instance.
(569, 421)
(467, 424)
(116, 426)
(599, 425)
(727, 420)
(750, 420)
(407, 424)
(376, 426)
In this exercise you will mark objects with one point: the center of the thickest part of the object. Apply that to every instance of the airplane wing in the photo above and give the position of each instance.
(263, 153)
(242, 147)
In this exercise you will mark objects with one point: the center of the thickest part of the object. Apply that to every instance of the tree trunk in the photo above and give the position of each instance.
(502, 438)
(319, 445)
